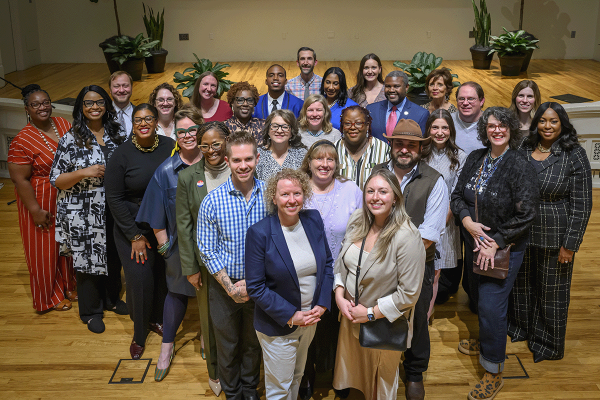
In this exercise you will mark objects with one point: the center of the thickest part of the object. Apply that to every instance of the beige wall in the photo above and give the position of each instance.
(597, 42)
(70, 30)
(25, 33)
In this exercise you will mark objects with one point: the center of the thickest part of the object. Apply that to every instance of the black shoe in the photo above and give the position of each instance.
(96, 325)
(119, 308)
(253, 396)
(305, 392)
(342, 393)
(442, 297)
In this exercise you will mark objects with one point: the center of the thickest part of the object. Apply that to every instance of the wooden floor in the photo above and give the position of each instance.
(554, 77)
(53, 355)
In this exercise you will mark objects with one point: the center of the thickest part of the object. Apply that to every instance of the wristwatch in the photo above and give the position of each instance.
(370, 314)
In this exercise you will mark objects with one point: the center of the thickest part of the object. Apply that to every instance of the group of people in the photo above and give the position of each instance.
(301, 217)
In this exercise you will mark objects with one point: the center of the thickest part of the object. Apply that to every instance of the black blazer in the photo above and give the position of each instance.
(271, 278)
(509, 203)
(566, 198)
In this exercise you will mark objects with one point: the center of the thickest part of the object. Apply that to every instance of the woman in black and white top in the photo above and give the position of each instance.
(78, 173)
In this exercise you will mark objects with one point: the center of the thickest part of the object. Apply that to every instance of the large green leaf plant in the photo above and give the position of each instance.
(126, 48)
(421, 65)
(155, 25)
(483, 24)
(187, 82)
(516, 43)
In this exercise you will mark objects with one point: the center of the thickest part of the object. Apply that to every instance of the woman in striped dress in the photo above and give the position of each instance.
(29, 160)
(447, 158)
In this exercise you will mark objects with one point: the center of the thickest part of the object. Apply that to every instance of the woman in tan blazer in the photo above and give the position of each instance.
(392, 267)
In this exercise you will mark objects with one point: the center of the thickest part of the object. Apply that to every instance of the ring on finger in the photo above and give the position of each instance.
(481, 238)
(140, 253)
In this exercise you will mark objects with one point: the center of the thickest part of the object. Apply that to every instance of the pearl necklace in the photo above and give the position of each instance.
(143, 149)
(44, 137)
(542, 149)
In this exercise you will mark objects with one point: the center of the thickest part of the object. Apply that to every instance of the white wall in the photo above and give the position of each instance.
(258, 30)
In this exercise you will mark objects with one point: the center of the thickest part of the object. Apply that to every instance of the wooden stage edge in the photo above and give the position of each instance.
(51, 355)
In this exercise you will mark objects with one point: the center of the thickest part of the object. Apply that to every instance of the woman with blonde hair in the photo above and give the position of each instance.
(388, 248)
(314, 122)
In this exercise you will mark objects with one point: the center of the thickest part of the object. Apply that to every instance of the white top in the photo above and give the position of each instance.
(466, 134)
(308, 138)
(279, 101)
(304, 262)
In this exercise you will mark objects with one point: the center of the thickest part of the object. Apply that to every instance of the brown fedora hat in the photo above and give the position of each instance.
(407, 129)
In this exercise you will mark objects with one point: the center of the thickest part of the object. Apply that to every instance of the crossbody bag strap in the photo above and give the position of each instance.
(358, 271)
(476, 190)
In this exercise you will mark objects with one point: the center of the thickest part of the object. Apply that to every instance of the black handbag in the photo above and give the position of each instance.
(381, 334)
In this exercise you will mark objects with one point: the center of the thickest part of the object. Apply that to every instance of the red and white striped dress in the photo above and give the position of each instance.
(50, 274)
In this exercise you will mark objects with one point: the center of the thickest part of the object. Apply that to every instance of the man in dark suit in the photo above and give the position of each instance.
(121, 87)
(387, 113)
(276, 98)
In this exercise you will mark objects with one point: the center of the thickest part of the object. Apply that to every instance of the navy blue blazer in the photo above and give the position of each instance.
(410, 111)
(290, 102)
(271, 278)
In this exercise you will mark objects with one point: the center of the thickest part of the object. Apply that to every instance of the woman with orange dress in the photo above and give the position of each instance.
(30, 157)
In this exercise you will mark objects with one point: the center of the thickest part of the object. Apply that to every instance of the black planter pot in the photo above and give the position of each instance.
(113, 66)
(418, 96)
(481, 58)
(526, 61)
(156, 63)
(134, 67)
(511, 65)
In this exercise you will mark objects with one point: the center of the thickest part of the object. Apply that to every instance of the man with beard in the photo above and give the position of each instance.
(387, 113)
(427, 203)
(307, 82)
(276, 98)
(121, 85)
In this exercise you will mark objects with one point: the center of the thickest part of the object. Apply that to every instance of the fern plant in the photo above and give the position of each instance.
(187, 82)
(483, 24)
(421, 65)
(155, 25)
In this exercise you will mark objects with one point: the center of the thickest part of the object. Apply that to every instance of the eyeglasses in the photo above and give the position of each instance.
(241, 100)
(169, 100)
(358, 124)
(284, 128)
(147, 118)
(35, 105)
(501, 127)
(90, 103)
(470, 100)
(192, 131)
(215, 146)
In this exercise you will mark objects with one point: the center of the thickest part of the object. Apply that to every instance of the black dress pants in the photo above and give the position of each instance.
(416, 359)
(113, 284)
(90, 290)
(146, 285)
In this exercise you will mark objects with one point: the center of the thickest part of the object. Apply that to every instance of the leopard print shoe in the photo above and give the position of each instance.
(469, 347)
(487, 388)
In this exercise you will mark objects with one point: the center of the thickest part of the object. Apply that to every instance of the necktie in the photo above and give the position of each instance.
(306, 91)
(121, 120)
(391, 122)
(274, 105)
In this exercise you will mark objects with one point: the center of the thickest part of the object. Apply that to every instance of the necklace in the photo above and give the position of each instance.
(145, 149)
(542, 149)
(44, 137)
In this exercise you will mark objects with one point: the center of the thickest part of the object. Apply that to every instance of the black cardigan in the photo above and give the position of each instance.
(510, 199)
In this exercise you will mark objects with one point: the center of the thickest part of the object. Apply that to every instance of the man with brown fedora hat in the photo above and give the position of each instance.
(426, 200)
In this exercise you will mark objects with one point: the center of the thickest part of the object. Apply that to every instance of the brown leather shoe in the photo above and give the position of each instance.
(72, 295)
(415, 390)
(136, 350)
(158, 328)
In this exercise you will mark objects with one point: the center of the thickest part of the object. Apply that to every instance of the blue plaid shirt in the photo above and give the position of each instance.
(223, 219)
(296, 86)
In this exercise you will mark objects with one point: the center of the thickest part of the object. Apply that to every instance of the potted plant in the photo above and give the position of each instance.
(420, 66)
(155, 26)
(480, 52)
(112, 65)
(187, 82)
(512, 47)
(130, 53)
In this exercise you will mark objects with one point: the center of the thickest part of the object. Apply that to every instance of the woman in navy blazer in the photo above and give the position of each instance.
(289, 276)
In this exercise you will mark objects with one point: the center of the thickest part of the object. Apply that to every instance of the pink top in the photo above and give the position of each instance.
(223, 112)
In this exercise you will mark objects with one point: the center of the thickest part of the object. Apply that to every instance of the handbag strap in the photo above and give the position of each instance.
(362, 246)
(476, 190)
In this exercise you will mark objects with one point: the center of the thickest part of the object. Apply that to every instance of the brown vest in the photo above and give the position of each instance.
(416, 192)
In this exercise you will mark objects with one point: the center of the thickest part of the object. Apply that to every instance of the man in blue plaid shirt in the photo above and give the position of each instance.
(307, 82)
(225, 215)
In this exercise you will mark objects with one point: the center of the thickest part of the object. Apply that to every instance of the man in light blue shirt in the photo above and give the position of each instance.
(427, 203)
(224, 217)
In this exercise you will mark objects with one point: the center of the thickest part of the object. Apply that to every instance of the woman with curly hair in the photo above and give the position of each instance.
(495, 199)
(289, 243)
(438, 87)
(281, 145)
(335, 90)
(540, 298)
(369, 86)
(29, 159)
(242, 98)
(167, 101)
(78, 174)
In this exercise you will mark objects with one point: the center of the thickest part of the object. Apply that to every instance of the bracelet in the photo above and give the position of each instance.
(162, 249)
(137, 237)
(291, 325)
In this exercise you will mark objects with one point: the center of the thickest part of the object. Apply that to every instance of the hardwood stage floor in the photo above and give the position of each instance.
(53, 355)
(554, 77)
